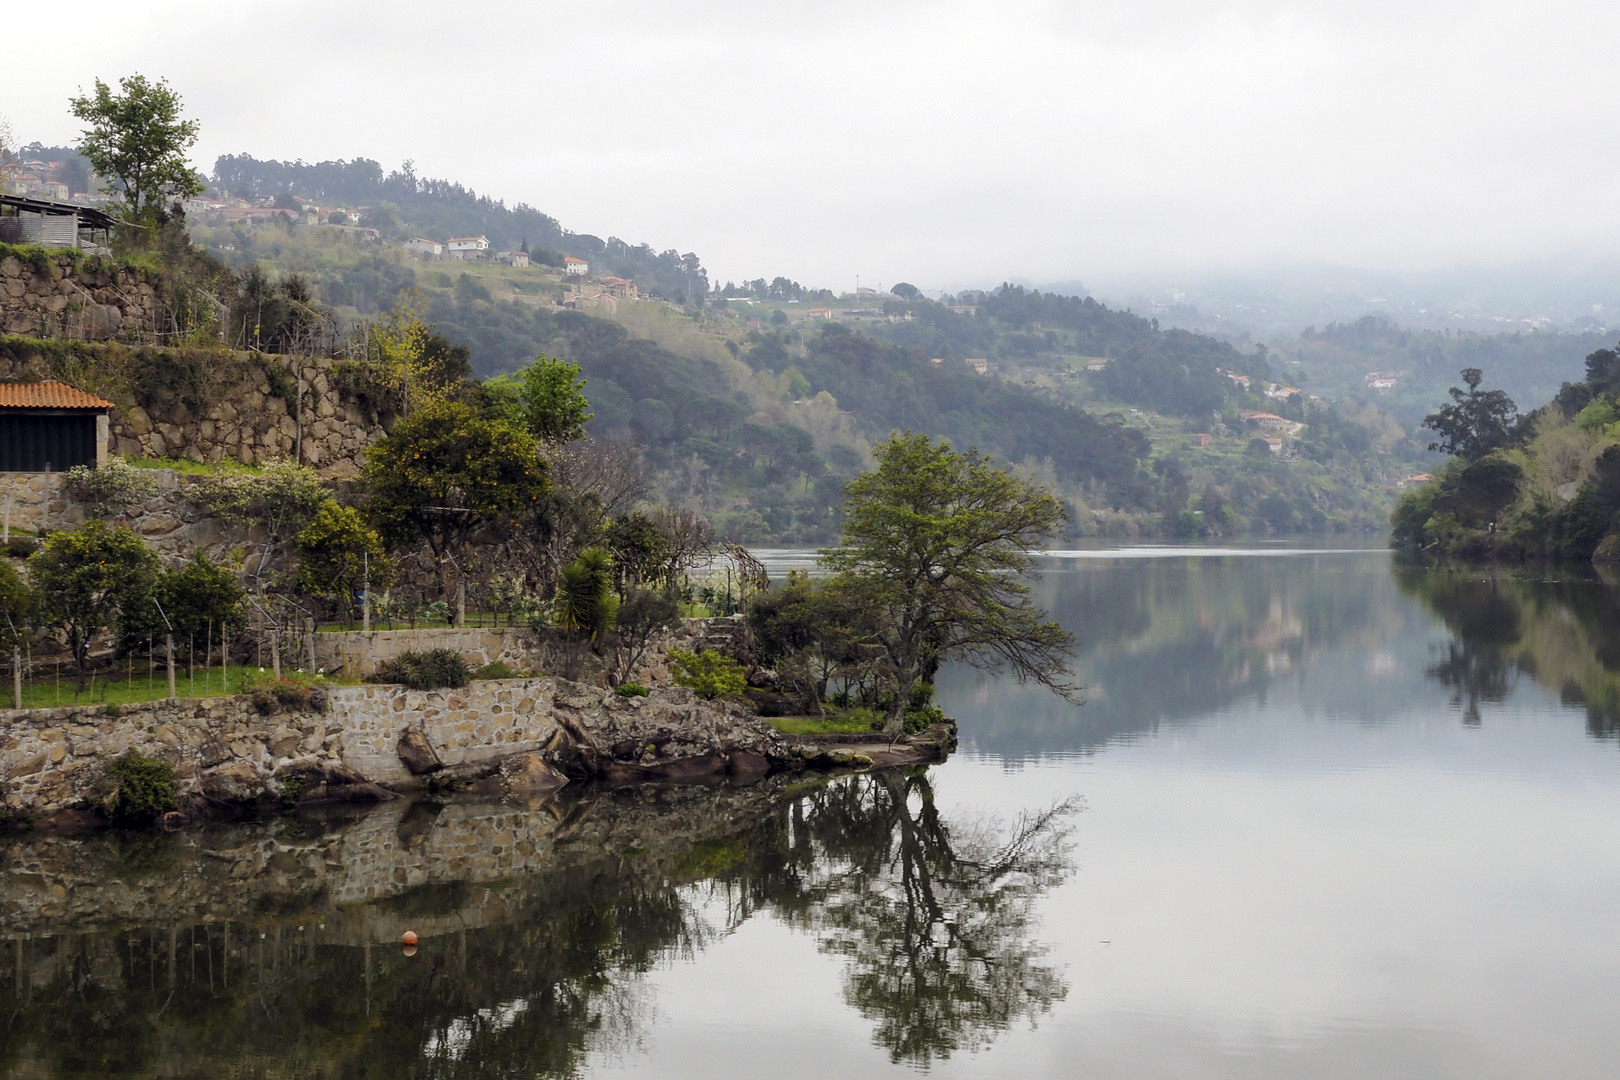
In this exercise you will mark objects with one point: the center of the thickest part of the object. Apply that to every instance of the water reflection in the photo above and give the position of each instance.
(1177, 638)
(1560, 629)
(933, 918)
(273, 948)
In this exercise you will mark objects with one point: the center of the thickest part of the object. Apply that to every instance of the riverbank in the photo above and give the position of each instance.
(374, 743)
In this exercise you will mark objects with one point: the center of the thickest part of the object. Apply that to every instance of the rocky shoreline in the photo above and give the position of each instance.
(375, 743)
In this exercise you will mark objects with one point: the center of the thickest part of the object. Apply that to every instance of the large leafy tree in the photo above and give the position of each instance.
(338, 554)
(445, 472)
(92, 579)
(1475, 422)
(203, 600)
(138, 139)
(939, 545)
(547, 397)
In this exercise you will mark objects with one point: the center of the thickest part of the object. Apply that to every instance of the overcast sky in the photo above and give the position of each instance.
(942, 143)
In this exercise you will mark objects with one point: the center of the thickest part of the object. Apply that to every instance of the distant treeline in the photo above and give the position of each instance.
(1530, 366)
(1167, 371)
(403, 202)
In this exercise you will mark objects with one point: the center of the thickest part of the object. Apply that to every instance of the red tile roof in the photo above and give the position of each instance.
(49, 394)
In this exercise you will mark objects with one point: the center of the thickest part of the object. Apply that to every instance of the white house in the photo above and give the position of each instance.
(417, 245)
(576, 266)
(468, 247)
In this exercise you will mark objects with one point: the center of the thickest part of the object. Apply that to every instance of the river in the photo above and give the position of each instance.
(1321, 814)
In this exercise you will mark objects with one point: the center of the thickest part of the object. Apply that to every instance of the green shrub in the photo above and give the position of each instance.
(631, 689)
(918, 719)
(20, 547)
(430, 670)
(709, 674)
(142, 788)
(271, 694)
(499, 669)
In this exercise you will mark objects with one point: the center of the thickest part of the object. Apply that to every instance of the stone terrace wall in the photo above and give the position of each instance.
(224, 748)
(168, 521)
(251, 424)
(359, 652)
(236, 412)
(90, 299)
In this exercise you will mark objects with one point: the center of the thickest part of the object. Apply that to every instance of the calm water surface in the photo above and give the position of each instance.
(1321, 815)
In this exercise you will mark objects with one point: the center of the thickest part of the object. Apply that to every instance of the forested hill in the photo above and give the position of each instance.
(754, 411)
(1530, 366)
(402, 202)
(893, 388)
(679, 406)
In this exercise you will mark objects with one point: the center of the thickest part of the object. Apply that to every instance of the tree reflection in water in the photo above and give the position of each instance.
(224, 951)
(934, 918)
(1561, 628)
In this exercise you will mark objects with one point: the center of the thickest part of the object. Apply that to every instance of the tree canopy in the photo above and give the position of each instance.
(90, 579)
(939, 545)
(547, 397)
(446, 471)
(1476, 422)
(138, 140)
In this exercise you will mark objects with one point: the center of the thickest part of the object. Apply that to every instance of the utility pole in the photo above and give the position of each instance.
(365, 595)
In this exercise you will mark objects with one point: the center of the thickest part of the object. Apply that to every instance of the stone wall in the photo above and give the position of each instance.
(213, 404)
(168, 521)
(485, 720)
(249, 423)
(357, 652)
(87, 299)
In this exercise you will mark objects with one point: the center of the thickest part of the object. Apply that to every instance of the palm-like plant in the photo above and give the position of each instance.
(585, 599)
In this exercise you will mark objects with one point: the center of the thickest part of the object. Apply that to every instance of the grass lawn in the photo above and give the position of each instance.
(832, 724)
(46, 692)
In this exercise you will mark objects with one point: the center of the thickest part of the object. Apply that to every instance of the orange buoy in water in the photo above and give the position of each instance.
(408, 950)
(409, 938)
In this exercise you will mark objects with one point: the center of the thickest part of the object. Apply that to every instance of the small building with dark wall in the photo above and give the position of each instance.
(50, 424)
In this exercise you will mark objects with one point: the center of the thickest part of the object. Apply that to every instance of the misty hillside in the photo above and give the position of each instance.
(1339, 361)
(756, 413)
(401, 202)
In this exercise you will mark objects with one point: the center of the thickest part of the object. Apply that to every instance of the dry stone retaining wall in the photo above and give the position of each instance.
(241, 416)
(251, 424)
(359, 652)
(93, 300)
